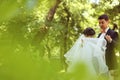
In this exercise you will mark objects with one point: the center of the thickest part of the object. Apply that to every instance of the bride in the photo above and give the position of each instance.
(88, 50)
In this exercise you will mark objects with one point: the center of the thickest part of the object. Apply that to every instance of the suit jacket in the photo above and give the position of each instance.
(111, 60)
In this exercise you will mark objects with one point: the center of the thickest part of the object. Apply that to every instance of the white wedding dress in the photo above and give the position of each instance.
(90, 51)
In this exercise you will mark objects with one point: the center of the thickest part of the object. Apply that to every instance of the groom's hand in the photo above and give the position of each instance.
(108, 38)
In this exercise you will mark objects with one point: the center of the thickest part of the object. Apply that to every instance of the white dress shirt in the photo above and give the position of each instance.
(103, 34)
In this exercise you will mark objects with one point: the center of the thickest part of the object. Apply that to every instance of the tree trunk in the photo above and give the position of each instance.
(65, 37)
(52, 11)
(43, 30)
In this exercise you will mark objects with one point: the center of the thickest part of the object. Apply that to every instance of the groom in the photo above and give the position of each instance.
(111, 38)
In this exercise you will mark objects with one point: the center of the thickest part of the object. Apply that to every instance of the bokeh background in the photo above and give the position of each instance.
(35, 34)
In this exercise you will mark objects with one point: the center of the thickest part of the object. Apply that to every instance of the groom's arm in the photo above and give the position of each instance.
(113, 38)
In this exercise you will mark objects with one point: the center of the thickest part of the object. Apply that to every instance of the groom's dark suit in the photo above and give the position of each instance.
(110, 53)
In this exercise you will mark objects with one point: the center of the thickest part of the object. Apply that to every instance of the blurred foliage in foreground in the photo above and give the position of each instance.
(35, 34)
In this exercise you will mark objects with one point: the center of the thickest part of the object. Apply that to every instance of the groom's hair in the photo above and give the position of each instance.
(89, 31)
(103, 16)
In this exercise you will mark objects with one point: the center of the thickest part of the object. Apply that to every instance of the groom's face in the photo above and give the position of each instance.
(103, 23)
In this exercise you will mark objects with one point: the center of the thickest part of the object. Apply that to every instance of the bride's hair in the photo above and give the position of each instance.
(89, 31)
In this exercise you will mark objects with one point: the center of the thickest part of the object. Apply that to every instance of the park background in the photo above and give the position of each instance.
(35, 35)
